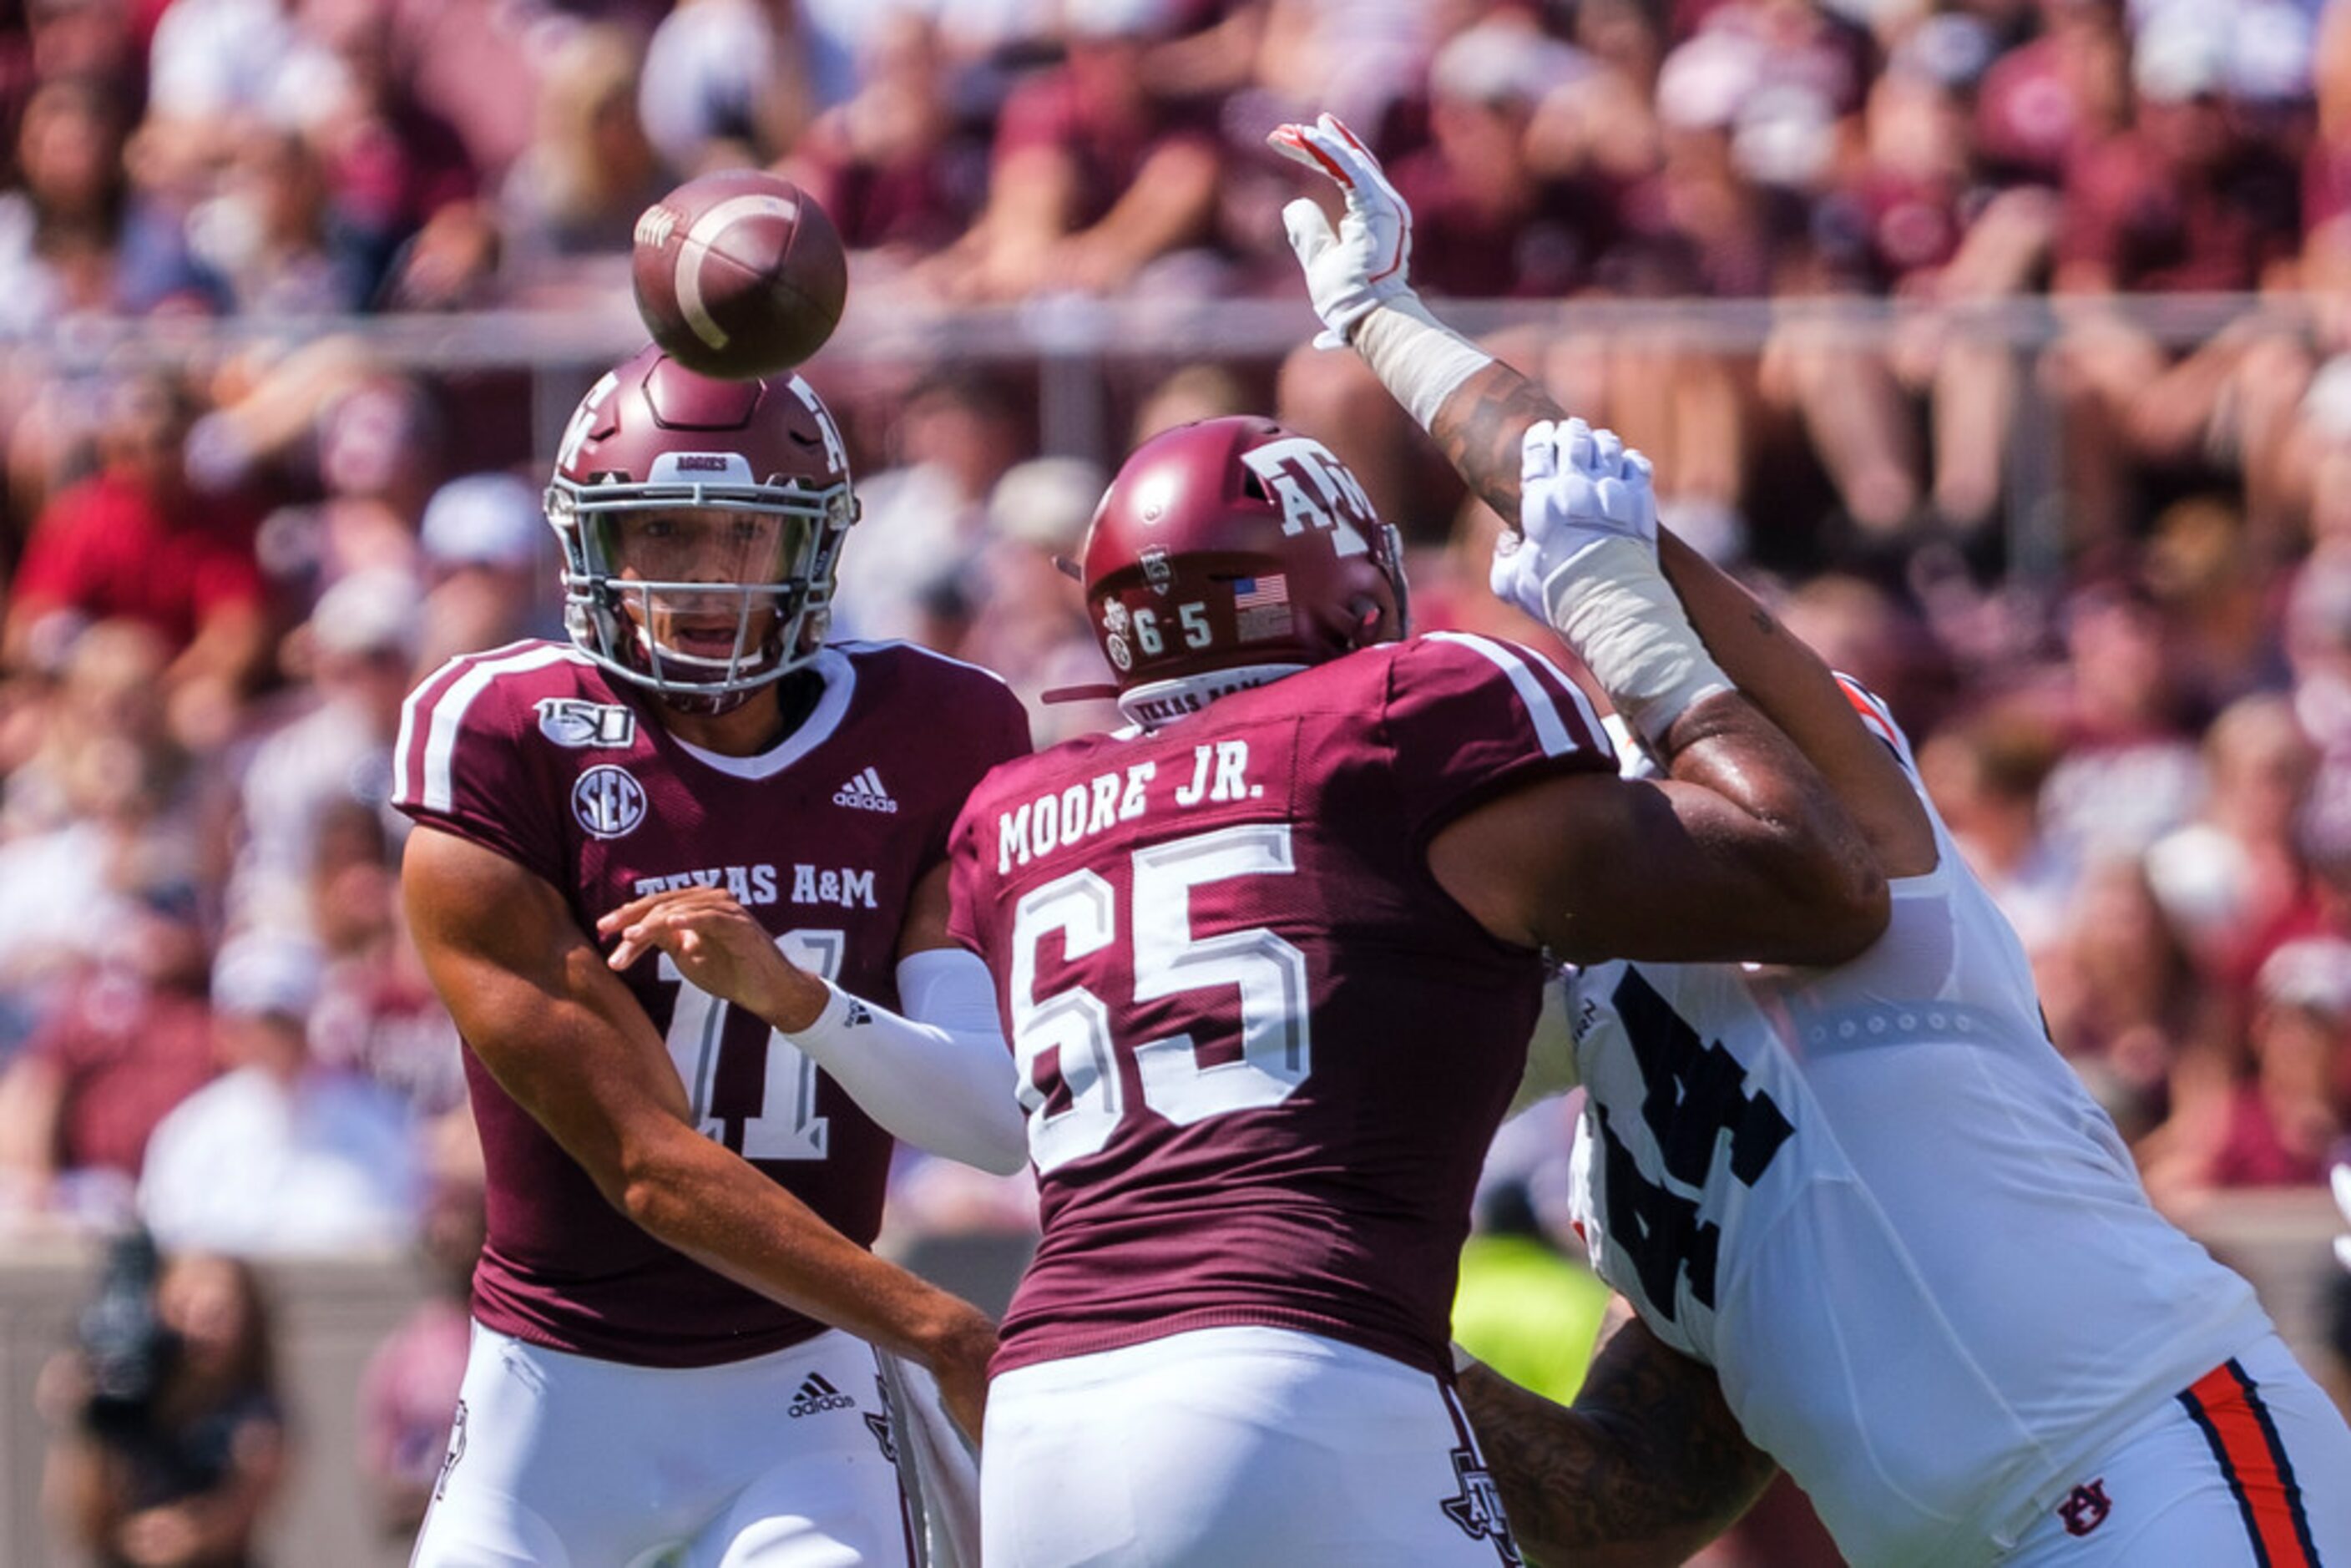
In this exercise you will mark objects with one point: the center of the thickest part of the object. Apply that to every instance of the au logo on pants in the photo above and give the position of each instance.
(2085, 1508)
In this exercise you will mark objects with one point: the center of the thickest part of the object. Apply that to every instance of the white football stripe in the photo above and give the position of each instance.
(407, 738)
(415, 704)
(698, 241)
(449, 717)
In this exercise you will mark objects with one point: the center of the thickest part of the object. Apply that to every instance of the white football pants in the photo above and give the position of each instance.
(565, 1461)
(1234, 1447)
(2251, 1465)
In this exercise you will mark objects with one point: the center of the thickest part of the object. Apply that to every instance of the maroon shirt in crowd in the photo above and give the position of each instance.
(1108, 146)
(107, 549)
(2030, 117)
(1468, 251)
(125, 1054)
(1880, 227)
(531, 752)
(2154, 229)
(2325, 185)
(1262, 1051)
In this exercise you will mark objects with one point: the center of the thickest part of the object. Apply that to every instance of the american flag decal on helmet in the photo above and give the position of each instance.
(1261, 607)
(1256, 592)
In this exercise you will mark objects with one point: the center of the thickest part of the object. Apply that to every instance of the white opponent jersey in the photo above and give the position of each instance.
(1879, 1204)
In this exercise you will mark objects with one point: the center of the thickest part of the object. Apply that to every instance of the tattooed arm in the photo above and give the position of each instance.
(1480, 427)
(1646, 1467)
(1479, 411)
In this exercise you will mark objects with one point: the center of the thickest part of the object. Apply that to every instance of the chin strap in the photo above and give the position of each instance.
(710, 707)
(1157, 702)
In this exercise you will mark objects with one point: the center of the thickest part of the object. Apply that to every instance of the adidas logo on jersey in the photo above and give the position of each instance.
(866, 793)
(815, 1397)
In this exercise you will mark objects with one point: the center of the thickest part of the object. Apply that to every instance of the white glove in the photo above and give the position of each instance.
(1579, 487)
(1584, 559)
(1363, 264)
(2342, 1200)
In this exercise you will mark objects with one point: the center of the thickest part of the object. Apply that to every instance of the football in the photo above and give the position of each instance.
(739, 274)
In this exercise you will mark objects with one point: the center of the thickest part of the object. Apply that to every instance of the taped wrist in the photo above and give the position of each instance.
(1420, 359)
(1616, 610)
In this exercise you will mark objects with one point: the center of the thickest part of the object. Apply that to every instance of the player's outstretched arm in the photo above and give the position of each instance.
(937, 1075)
(535, 1002)
(1481, 413)
(1753, 857)
(1646, 1468)
(1798, 692)
(1752, 861)
(1484, 427)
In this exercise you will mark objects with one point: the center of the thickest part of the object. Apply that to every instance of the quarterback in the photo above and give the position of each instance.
(676, 1316)
(1873, 1229)
(1268, 959)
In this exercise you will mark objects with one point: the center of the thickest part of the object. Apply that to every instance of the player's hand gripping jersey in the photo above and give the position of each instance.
(1886, 1171)
(531, 752)
(1261, 1050)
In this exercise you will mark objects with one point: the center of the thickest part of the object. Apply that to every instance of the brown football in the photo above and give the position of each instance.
(739, 274)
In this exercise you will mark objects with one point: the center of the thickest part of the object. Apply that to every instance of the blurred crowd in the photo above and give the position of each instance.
(278, 160)
(2085, 524)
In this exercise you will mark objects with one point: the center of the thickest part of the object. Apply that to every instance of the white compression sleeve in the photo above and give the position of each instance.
(938, 1076)
(1418, 358)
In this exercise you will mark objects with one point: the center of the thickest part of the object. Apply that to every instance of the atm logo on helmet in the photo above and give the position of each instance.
(1315, 490)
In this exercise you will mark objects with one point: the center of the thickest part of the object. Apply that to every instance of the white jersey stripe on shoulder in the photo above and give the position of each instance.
(408, 770)
(449, 715)
(1553, 727)
(407, 787)
(1595, 728)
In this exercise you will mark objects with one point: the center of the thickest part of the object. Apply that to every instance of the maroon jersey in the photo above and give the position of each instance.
(531, 752)
(1261, 1050)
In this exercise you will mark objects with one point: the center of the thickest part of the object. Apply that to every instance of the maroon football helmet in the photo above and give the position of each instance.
(1235, 542)
(701, 523)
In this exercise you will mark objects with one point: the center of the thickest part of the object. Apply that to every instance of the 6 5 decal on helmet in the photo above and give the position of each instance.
(1235, 544)
(702, 522)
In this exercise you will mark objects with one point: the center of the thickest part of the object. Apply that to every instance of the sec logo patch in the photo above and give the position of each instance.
(608, 801)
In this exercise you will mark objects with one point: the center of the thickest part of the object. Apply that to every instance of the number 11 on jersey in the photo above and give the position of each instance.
(786, 1125)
